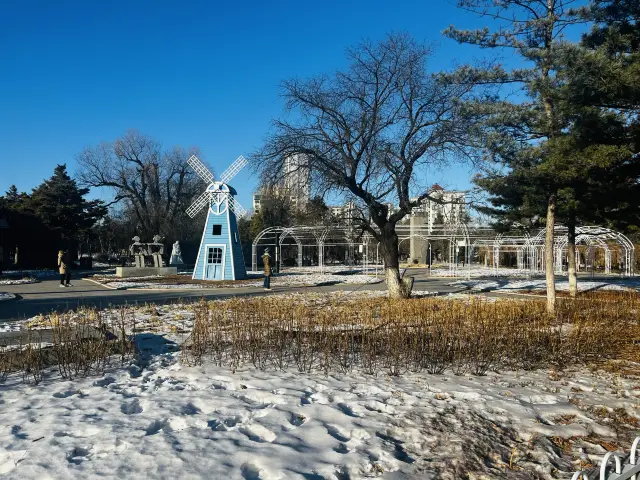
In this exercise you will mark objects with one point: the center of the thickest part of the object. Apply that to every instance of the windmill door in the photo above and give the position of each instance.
(214, 267)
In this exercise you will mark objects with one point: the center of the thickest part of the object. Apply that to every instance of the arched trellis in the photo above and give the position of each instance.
(319, 237)
(593, 237)
(529, 249)
(457, 236)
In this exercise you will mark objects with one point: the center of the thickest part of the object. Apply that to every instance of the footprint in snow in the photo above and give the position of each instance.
(258, 433)
(297, 419)
(251, 471)
(341, 448)
(380, 407)
(155, 427)
(79, 454)
(103, 382)
(190, 409)
(132, 407)
(336, 432)
(350, 409)
(65, 394)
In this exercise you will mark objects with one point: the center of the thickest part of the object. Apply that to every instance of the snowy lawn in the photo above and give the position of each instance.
(336, 269)
(159, 418)
(288, 279)
(126, 284)
(478, 272)
(4, 296)
(17, 281)
(630, 284)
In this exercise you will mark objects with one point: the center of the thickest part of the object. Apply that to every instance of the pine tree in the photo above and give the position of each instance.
(62, 208)
(592, 169)
(531, 30)
(604, 69)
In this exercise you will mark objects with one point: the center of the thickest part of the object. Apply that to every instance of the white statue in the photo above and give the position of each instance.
(176, 255)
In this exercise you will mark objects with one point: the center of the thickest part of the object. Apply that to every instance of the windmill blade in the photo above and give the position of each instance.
(200, 169)
(200, 202)
(232, 171)
(236, 207)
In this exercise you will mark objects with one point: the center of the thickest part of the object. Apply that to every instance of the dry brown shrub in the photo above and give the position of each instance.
(77, 343)
(395, 336)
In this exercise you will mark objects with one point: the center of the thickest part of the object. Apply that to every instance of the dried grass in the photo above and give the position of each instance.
(396, 336)
(78, 344)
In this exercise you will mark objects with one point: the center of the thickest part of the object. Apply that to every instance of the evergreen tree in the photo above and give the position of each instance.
(590, 167)
(12, 195)
(604, 69)
(532, 30)
(62, 208)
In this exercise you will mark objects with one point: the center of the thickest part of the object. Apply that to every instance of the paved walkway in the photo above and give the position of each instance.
(46, 296)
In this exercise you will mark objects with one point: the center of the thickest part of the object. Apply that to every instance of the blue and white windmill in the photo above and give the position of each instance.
(220, 254)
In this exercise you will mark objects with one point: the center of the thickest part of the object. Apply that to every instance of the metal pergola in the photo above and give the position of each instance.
(464, 242)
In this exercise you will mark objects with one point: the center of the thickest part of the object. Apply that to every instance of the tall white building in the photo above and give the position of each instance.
(295, 183)
(344, 213)
(297, 179)
(447, 207)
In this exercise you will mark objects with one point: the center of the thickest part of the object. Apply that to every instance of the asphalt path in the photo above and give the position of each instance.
(46, 296)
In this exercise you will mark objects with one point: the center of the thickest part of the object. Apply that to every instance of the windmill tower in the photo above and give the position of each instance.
(220, 254)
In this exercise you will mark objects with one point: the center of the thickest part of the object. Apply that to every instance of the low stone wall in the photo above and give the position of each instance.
(126, 272)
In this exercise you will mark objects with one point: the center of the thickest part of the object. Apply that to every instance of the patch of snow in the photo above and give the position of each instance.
(539, 284)
(17, 281)
(322, 278)
(164, 419)
(472, 272)
(149, 285)
(282, 280)
(112, 276)
(4, 296)
(336, 269)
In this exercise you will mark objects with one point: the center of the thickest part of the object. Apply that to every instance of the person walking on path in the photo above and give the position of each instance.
(64, 269)
(266, 260)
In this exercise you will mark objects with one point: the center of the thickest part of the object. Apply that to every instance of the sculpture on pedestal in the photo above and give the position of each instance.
(141, 250)
(176, 255)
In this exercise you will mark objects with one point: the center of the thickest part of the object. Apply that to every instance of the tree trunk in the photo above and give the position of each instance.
(397, 287)
(571, 251)
(548, 255)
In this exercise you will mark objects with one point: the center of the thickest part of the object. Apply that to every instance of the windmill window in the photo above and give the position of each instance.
(235, 237)
(217, 230)
(214, 256)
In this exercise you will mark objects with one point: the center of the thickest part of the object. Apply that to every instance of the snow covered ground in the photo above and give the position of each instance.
(282, 280)
(159, 418)
(17, 281)
(331, 269)
(478, 272)
(539, 284)
(321, 278)
(6, 296)
(149, 285)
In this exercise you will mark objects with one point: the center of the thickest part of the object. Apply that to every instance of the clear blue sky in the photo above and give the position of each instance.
(75, 73)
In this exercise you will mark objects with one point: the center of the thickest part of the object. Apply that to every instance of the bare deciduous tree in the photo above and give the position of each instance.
(367, 132)
(156, 185)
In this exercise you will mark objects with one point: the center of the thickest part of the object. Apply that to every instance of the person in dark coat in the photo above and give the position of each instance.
(64, 268)
(266, 260)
